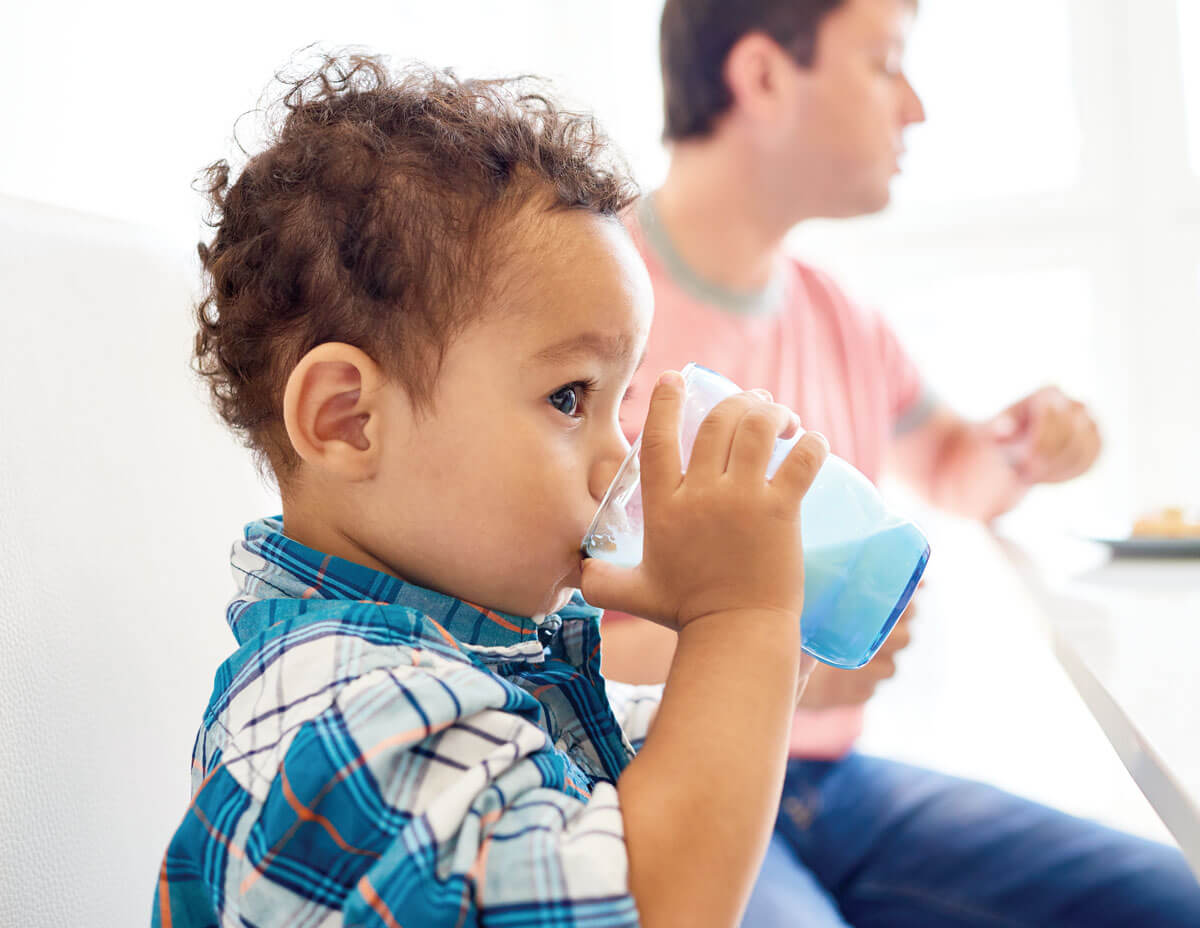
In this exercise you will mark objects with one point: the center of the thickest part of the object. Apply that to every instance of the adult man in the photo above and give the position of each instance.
(779, 112)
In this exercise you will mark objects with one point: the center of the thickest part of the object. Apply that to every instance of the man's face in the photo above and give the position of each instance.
(840, 149)
(490, 497)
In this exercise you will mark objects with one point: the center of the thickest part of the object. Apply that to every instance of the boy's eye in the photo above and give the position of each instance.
(566, 399)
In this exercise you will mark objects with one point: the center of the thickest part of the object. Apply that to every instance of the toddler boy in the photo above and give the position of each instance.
(422, 315)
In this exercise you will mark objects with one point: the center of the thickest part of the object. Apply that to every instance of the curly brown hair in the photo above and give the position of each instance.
(372, 218)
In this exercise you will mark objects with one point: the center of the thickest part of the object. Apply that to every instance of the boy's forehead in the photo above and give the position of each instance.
(577, 288)
(614, 347)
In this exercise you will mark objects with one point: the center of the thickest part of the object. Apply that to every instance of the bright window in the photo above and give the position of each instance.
(1189, 48)
(996, 127)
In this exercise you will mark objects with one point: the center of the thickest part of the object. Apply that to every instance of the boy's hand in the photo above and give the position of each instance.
(719, 537)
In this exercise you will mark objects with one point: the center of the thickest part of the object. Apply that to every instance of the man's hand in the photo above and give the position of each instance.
(829, 687)
(1048, 437)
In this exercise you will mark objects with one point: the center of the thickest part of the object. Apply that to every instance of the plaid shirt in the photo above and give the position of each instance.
(379, 754)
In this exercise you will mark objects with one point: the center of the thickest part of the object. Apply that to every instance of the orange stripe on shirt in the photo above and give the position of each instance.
(164, 896)
(401, 738)
(233, 849)
(500, 620)
(571, 783)
(445, 634)
(479, 865)
(316, 587)
(376, 903)
(306, 814)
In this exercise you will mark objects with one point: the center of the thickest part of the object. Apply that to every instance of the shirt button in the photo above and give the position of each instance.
(548, 629)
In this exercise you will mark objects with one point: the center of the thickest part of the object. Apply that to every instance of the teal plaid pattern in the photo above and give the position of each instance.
(379, 754)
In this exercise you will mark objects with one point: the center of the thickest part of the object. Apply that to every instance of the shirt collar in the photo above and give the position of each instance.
(767, 301)
(269, 565)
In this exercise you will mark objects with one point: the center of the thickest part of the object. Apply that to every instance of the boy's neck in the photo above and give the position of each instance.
(314, 529)
(719, 217)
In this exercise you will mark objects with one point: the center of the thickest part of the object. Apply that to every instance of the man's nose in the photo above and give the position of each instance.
(914, 110)
(607, 463)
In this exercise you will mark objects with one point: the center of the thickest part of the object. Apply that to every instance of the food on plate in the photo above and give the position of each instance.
(1168, 522)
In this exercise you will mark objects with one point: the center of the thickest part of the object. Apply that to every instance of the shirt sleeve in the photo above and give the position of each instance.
(910, 402)
(635, 707)
(501, 843)
(421, 794)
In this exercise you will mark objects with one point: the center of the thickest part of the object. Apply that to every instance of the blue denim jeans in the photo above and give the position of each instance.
(868, 843)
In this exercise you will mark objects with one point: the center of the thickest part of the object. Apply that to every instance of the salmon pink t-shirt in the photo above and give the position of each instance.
(838, 365)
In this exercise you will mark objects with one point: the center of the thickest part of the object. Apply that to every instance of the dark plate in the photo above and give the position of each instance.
(1152, 547)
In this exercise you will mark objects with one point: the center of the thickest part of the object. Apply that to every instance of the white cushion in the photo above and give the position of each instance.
(119, 496)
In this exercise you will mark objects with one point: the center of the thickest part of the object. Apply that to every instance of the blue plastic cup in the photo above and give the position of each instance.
(861, 562)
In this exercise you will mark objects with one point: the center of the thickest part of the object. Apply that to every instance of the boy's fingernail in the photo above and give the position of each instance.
(821, 438)
(670, 377)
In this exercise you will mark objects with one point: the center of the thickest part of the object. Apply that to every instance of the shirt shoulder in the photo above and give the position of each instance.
(332, 656)
(815, 291)
(870, 344)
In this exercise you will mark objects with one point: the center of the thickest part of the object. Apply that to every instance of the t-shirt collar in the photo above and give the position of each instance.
(764, 302)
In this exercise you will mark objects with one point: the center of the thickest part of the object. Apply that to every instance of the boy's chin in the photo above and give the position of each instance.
(558, 599)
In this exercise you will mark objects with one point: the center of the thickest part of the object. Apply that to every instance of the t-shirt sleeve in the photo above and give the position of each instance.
(910, 402)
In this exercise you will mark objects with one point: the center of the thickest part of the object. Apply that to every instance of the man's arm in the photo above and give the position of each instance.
(983, 469)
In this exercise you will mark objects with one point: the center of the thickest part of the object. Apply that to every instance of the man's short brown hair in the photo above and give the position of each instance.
(695, 39)
(375, 216)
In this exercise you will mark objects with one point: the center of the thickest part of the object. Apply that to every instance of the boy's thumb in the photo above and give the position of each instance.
(608, 586)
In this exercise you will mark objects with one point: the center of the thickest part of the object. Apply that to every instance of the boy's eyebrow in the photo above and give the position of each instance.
(606, 347)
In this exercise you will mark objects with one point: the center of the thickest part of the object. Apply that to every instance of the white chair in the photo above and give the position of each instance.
(119, 496)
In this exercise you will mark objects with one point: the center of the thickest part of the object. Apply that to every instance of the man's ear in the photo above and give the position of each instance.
(333, 411)
(755, 70)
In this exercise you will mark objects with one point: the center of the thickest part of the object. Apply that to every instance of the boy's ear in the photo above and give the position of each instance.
(332, 409)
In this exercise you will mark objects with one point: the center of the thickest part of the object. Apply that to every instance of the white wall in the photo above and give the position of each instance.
(121, 103)
(119, 496)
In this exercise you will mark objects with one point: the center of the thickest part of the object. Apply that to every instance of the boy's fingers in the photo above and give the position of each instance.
(799, 469)
(754, 440)
(660, 465)
(608, 586)
(710, 453)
